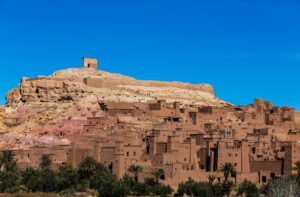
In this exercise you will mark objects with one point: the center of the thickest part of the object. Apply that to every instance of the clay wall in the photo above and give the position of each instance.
(157, 161)
(133, 152)
(32, 156)
(274, 166)
(161, 147)
(94, 82)
(229, 154)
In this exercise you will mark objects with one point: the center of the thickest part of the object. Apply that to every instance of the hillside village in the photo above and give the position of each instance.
(187, 139)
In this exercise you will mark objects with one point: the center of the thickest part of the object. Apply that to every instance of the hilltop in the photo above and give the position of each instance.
(41, 106)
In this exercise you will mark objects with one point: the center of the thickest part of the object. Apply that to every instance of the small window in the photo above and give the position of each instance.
(127, 154)
(264, 179)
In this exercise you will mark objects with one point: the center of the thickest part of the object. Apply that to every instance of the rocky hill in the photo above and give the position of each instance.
(43, 106)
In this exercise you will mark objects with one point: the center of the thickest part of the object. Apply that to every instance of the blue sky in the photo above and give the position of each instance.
(245, 49)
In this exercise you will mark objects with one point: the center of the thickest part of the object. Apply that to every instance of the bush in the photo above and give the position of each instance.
(163, 190)
(30, 179)
(67, 178)
(9, 182)
(203, 189)
(285, 186)
(248, 188)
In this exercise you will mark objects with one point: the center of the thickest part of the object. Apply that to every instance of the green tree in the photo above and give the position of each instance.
(9, 181)
(180, 190)
(248, 189)
(211, 179)
(30, 178)
(45, 162)
(87, 168)
(9, 174)
(203, 189)
(95, 175)
(226, 188)
(228, 169)
(105, 184)
(7, 161)
(68, 177)
(101, 168)
(128, 182)
(157, 174)
(48, 180)
(135, 170)
(150, 181)
(163, 190)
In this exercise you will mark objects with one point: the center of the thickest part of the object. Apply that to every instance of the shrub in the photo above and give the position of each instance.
(285, 186)
(248, 188)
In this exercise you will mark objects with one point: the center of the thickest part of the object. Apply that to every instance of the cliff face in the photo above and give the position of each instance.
(45, 106)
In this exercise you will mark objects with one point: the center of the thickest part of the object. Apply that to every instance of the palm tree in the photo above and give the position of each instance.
(297, 167)
(211, 179)
(68, 176)
(7, 160)
(87, 167)
(157, 173)
(101, 168)
(228, 169)
(31, 180)
(135, 170)
(45, 162)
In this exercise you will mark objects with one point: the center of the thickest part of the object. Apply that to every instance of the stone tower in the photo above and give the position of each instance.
(89, 63)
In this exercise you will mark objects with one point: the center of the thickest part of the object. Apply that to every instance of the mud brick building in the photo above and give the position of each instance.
(186, 141)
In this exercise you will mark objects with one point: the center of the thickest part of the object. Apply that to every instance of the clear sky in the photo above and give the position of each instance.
(244, 48)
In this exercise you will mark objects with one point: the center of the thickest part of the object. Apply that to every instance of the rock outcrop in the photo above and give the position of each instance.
(75, 84)
(46, 106)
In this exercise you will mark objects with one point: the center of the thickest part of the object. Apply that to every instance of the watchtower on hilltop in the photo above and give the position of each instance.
(89, 63)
